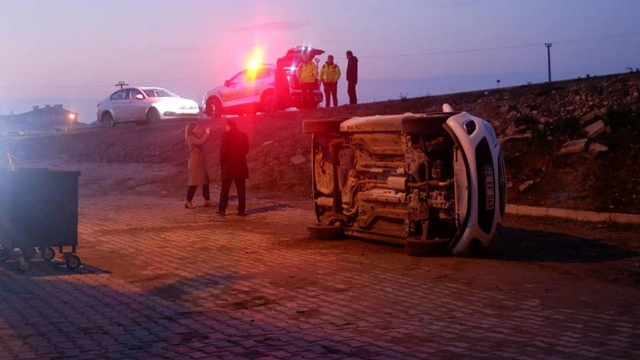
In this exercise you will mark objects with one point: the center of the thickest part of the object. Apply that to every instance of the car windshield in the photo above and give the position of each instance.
(158, 93)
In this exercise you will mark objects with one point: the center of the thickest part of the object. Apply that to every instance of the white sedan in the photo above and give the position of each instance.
(144, 105)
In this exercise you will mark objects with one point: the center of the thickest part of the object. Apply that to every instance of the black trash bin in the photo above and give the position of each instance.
(39, 210)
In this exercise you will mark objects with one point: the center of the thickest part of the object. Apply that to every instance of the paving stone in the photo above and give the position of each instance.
(159, 281)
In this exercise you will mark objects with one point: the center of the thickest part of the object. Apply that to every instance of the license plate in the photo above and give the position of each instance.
(489, 187)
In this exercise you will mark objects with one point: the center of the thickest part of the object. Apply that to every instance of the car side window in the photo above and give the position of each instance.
(239, 78)
(119, 95)
(263, 73)
(133, 93)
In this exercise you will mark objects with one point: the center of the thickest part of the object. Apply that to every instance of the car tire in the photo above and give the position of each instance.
(325, 232)
(330, 126)
(417, 125)
(424, 248)
(214, 108)
(153, 116)
(268, 102)
(107, 120)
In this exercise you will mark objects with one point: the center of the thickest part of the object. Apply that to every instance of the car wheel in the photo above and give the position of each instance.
(325, 232)
(418, 247)
(153, 116)
(322, 126)
(107, 120)
(416, 125)
(268, 102)
(215, 108)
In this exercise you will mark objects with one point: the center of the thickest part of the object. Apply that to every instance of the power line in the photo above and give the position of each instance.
(498, 47)
(362, 56)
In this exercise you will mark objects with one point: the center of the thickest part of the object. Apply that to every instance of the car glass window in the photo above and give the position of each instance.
(158, 93)
(119, 95)
(239, 78)
(263, 73)
(133, 93)
(164, 93)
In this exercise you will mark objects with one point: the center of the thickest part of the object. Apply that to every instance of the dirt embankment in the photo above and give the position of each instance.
(535, 120)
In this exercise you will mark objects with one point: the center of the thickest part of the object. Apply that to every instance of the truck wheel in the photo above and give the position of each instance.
(422, 248)
(329, 126)
(416, 125)
(325, 232)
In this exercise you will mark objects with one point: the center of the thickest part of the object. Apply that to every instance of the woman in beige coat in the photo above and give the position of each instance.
(197, 169)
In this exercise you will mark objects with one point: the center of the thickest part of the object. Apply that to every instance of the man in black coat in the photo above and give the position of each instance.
(233, 166)
(352, 77)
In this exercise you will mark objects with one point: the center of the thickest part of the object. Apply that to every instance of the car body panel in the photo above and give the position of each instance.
(125, 107)
(243, 91)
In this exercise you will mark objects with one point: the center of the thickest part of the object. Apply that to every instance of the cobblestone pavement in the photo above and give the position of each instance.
(160, 281)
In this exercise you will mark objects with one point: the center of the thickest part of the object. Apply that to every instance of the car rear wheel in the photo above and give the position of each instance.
(153, 116)
(215, 108)
(268, 102)
(325, 232)
(107, 120)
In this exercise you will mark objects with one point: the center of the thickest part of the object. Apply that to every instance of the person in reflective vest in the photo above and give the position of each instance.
(329, 76)
(307, 74)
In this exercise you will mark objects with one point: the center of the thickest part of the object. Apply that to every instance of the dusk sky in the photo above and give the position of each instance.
(76, 50)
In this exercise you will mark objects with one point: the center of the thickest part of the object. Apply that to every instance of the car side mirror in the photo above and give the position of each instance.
(139, 97)
(227, 83)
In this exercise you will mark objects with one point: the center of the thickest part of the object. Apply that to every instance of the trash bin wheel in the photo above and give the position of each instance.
(47, 253)
(4, 254)
(22, 263)
(72, 261)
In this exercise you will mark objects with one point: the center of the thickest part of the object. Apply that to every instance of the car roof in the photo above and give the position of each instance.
(264, 66)
(299, 50)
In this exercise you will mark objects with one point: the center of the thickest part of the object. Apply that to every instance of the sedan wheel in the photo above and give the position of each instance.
(153, 116)
(107, 120)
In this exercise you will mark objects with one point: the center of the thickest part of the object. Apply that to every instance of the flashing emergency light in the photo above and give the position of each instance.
(255, 59)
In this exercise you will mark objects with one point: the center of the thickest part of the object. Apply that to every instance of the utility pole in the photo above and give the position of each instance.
(122, 84)
(548, 45)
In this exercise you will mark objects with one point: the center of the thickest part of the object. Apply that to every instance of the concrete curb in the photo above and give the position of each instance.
(579, 215)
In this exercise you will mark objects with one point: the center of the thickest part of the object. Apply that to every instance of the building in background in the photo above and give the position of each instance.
(40, 119)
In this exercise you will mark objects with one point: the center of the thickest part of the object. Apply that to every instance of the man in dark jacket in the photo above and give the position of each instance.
(352, 77)
(233, 166)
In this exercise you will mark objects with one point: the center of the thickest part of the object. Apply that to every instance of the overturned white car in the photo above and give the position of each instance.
(435, 182)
